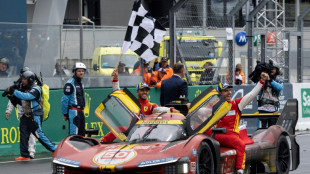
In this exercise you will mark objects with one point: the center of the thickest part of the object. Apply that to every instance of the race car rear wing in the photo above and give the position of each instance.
(289, 116)
(288, 119)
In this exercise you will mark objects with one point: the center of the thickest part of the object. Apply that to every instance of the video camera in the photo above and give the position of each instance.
(259, 68)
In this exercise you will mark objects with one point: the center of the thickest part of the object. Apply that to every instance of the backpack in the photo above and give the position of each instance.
(45, 103)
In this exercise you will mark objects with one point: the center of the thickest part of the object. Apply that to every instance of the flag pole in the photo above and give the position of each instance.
(119, 59)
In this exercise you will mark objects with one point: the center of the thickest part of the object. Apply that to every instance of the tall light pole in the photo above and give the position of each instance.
(81, 29)
(85, 19)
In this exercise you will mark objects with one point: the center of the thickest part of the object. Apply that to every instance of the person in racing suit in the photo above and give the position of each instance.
(232, 119)
(147, 107)
(31, 121)
(73, 102)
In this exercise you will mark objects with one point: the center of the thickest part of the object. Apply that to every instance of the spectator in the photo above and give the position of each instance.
(163, 64)
(268, 100)
(207, 75)
(60, 70)
(231, 120)
(174, 88)
(4, 66)
(73, 101)
(238, 77)
(31, 122)
(239, 66)
(122, 69)
(157, 79)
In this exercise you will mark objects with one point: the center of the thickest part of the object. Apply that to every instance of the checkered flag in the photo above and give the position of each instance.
(143, 34)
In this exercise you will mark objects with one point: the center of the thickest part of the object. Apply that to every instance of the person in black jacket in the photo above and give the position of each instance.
(175, 87)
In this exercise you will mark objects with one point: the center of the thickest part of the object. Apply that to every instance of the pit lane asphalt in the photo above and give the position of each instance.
(42, 163)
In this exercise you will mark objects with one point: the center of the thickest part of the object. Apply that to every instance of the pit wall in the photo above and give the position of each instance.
(57, 129)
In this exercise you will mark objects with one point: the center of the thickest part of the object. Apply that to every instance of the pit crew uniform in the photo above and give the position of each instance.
(72, 105)
(231, 123)
(31, 121)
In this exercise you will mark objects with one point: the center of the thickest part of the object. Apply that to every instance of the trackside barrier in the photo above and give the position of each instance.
(57, 129)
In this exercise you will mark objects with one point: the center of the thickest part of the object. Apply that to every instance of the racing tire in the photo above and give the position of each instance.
(283, 156)
(205, 160)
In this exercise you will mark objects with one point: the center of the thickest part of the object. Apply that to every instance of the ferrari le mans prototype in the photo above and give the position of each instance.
(172, 143)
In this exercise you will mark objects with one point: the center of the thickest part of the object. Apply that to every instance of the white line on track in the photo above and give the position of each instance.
(36, 159)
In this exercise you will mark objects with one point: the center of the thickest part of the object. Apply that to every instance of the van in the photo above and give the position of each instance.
(194, 52)
(105, 58)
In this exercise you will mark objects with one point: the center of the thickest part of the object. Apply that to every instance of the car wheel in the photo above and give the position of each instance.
(283, 156)
(205, 160)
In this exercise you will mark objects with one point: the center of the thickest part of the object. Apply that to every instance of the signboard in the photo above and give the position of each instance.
(305, 102)
(241, 39)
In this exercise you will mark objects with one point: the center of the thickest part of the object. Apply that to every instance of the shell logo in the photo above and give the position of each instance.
(114, 156)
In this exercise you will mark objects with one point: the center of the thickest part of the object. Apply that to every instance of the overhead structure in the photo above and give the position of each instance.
(272, 19)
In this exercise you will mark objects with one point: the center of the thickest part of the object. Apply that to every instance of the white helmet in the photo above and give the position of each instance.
(78, 65)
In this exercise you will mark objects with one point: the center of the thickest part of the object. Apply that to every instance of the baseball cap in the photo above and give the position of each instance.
(164, 59)
(142, 85)
(162, 70)
(222, 86)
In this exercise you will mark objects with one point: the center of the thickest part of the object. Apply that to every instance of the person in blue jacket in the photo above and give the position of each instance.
(31, 121)
(268, 99)
(73, 102)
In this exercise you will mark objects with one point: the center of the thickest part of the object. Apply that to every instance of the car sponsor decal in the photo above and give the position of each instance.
(67, 162)
(157, 161)
(231, 113)
(114, 156)
(194, 151)
(193, 166)
(159, 122)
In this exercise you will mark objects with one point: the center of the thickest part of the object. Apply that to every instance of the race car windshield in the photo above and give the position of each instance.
(204, 112)
(156, 132)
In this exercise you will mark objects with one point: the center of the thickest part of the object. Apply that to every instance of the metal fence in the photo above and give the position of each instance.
(200, 35)
(44, 47)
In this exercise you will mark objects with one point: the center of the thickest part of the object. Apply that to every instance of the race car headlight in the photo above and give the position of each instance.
(183, 168)
(58, 169)
(183, 165)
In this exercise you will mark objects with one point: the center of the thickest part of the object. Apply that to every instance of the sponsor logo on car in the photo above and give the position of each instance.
(194, 151)
(68, 162)
(157, 161)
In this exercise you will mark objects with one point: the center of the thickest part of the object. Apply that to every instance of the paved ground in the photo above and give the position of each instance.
(42, 165)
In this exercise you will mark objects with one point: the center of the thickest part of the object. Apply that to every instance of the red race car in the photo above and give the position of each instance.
(172, 143)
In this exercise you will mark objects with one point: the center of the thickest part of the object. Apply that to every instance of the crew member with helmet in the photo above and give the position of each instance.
(232, 119)
(4, 66)
(10, 107)
(31, 120)
(73, 101)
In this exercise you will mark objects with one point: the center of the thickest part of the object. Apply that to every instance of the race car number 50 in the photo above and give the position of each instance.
(114, 156)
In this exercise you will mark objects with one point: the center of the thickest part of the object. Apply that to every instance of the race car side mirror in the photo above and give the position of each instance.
(218, 130)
